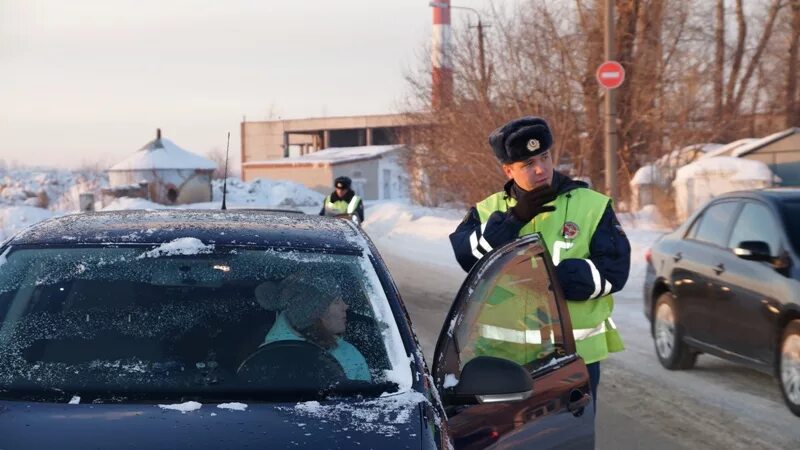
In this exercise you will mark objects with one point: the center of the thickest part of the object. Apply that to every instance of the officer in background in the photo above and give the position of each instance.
(588, 245)
(343, 202)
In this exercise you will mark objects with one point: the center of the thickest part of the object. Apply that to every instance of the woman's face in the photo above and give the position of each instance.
(335, 317)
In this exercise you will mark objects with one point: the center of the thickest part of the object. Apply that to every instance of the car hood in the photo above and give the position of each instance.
(391, 421)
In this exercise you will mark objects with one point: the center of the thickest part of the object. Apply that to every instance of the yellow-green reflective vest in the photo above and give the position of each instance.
(594, 331)
(340, 207)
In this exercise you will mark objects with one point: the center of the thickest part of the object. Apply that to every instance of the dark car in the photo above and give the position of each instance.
(213, 329)
(727, 283)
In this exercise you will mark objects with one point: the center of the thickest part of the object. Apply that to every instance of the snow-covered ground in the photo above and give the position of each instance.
(29, 196)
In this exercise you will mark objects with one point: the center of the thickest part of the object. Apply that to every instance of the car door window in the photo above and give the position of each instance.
(512, 312)
(715, 223)
(756, 223)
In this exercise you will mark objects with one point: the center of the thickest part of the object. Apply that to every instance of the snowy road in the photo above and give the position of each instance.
(642, 405)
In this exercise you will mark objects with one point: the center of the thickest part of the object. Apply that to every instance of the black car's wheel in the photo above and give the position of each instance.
(672, 352)
(790, 366)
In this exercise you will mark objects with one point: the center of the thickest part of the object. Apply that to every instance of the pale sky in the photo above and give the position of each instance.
(85, 82)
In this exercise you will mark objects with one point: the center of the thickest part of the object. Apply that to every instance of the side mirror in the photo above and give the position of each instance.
(753, 251)
(490, 380)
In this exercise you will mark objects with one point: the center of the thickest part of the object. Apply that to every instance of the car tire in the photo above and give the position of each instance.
(672, 352)
(789, 366)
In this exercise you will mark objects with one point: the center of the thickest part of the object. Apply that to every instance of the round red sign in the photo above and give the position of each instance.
(610, 74)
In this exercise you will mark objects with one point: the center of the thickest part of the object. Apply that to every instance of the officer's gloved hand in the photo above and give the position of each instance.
(531, 203)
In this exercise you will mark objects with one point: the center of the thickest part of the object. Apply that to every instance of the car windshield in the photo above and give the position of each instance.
(791, 217)
(142, 323)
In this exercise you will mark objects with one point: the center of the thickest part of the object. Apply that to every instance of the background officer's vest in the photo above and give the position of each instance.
(579, 212)
(340, 206)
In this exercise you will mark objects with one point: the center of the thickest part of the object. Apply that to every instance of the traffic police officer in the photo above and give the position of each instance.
(578, 225)
(343, 201)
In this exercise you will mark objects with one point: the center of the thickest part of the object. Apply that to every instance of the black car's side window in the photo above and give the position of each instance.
(756, 223)
(714, 224)
(512, 313)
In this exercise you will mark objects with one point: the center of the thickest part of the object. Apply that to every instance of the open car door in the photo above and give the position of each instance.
(505, 362)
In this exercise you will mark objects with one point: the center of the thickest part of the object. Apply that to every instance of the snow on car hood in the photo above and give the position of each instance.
(386, 422)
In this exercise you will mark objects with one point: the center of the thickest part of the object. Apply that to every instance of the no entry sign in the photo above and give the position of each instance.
(610, 74)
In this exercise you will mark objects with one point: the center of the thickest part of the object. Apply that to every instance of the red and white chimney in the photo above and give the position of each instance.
(442, 73)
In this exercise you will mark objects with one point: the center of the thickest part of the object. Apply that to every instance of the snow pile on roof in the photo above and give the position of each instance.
(645, 175)
(726, 166)
(727, 149)
(182, 407)
(686, 154)
(235, 406)
(334, 155)
(180, 246)
(758, 143)
(697, 183)
(163, 154)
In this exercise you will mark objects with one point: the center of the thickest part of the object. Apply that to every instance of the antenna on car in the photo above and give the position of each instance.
(225, 181)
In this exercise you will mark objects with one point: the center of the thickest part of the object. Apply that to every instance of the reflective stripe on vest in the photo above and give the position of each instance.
(509, 335)
(351, 207)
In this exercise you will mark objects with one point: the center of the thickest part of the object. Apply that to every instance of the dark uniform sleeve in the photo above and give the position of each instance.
(322, 210)
(360, 210)
(606, 270)
(471, 240)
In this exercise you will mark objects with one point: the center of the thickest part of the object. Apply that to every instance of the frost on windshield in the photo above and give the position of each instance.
(80, 321)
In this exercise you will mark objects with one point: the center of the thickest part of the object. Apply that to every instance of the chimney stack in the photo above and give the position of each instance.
(442, 73)
(158, 133)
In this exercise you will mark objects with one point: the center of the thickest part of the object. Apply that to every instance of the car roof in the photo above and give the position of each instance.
(771, 194)
(221, 227)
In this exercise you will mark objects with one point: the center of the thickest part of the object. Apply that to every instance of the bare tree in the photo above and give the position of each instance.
(792, 100)
(685, 83)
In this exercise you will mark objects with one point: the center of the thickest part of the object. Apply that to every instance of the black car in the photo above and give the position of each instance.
(727, 283)
(217, 329)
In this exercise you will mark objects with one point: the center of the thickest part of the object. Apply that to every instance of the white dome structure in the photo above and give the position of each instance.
(172, 175)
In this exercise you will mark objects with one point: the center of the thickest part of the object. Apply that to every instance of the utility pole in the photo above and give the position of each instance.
(481, 55)
(610, 111)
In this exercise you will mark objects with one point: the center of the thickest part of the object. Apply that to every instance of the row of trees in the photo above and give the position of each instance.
(696, 71)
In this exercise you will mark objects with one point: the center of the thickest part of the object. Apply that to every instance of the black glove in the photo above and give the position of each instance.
(531, 203)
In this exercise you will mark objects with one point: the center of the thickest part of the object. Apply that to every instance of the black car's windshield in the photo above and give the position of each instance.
(186, 320)
(791, 217)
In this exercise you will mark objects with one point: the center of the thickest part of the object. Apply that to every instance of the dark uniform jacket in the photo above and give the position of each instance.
(609, 247)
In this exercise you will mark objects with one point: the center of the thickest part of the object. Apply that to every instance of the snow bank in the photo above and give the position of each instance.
(266, 193)
(16, 218)
(414, 231)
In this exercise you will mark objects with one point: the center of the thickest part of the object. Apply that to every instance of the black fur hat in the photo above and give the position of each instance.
(343, 182)
(520, 139)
